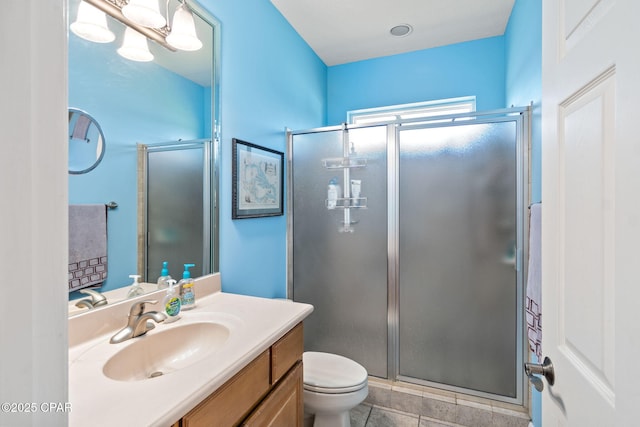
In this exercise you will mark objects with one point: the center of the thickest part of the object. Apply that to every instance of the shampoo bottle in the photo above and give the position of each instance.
(172, 303)
(333, 191)
(356, 184)
(136, 289)
(187, 292)
(164, 276)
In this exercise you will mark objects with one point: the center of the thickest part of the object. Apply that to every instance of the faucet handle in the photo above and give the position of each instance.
(137, 308)
(97, 299)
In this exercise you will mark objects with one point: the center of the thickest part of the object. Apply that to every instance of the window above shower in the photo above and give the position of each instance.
(414, 111)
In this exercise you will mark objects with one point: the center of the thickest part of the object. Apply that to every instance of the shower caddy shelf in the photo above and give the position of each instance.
(350, 203)
(346, 163)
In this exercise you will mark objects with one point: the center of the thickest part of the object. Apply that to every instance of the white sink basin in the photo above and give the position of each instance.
(163, 352)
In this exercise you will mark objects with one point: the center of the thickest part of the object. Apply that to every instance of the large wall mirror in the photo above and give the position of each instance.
(170, 100)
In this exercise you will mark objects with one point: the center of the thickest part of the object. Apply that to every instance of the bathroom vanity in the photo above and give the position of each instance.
(268, 391)
(232, 360)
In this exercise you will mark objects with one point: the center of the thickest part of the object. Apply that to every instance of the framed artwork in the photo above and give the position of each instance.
(257, 176)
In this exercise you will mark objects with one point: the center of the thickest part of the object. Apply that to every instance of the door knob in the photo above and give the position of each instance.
(545, 369)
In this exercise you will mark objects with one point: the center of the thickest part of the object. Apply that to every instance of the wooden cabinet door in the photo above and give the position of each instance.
(284, 405)
(286, 352)
(234, 400)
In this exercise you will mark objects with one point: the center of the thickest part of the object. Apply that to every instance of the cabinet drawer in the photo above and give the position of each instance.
(283, 407)
(286, 352)
(235, 399)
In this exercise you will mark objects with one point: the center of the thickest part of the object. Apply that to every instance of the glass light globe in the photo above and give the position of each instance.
(91, 24)
(183, 30)
(135, 46)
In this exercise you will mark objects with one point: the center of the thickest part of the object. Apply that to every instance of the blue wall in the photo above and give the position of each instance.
(270, 80)
(463, 69)
(523, 83)
(123, 96)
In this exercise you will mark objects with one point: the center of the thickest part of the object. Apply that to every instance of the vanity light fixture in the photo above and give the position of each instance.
(144, 17)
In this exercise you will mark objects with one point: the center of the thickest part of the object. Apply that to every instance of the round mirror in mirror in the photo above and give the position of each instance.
(86, 142)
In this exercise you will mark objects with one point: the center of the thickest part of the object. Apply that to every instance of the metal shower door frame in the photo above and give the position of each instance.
(208, 263)
(522, 117)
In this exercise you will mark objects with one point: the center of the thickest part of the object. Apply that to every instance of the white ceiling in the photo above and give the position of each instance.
(342, 31)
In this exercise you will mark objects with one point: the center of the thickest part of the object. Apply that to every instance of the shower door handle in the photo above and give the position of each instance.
(545, 369)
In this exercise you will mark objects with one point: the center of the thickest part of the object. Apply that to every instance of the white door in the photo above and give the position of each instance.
(591, 211)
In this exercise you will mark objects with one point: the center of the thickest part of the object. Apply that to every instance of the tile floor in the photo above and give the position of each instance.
(367, 415)
(399, 405)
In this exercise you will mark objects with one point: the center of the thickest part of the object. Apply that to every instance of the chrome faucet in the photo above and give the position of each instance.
(85, 303)
(96, 299)
(138, 322)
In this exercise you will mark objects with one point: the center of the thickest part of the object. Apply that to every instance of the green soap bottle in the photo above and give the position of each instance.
(172, 302)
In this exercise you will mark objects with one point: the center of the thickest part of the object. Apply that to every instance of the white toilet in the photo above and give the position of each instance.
(333, 385)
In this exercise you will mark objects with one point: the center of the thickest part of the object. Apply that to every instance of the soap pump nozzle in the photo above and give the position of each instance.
(165, 269)
(164, 276)
(186, 274)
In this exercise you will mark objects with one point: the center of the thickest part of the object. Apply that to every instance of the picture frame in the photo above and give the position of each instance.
(257, 181)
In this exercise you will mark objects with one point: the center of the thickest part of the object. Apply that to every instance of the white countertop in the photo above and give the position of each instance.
(255, 324)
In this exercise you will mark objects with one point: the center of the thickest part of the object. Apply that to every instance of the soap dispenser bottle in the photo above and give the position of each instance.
(171, 302)
(136, 289)
(164, 276)
(187, 291)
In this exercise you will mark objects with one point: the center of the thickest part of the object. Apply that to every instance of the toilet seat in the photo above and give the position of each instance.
(333, 390)
(332, 374)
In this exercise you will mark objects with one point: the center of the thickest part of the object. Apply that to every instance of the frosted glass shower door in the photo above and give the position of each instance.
(344, 275)
(177, 208)
(457, 282)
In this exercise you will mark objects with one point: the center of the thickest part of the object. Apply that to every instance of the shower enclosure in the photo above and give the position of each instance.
(175, 214)
(418, 276)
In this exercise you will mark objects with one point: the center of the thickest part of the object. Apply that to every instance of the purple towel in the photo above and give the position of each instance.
(81, 128)
(534, 283)
(87, 245)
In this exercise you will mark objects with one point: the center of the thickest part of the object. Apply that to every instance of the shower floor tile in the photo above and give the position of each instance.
(380, 417)
(360, 414)
(367, 415)
(388, 401)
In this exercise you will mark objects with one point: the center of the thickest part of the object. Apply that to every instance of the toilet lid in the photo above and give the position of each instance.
(331, 373)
